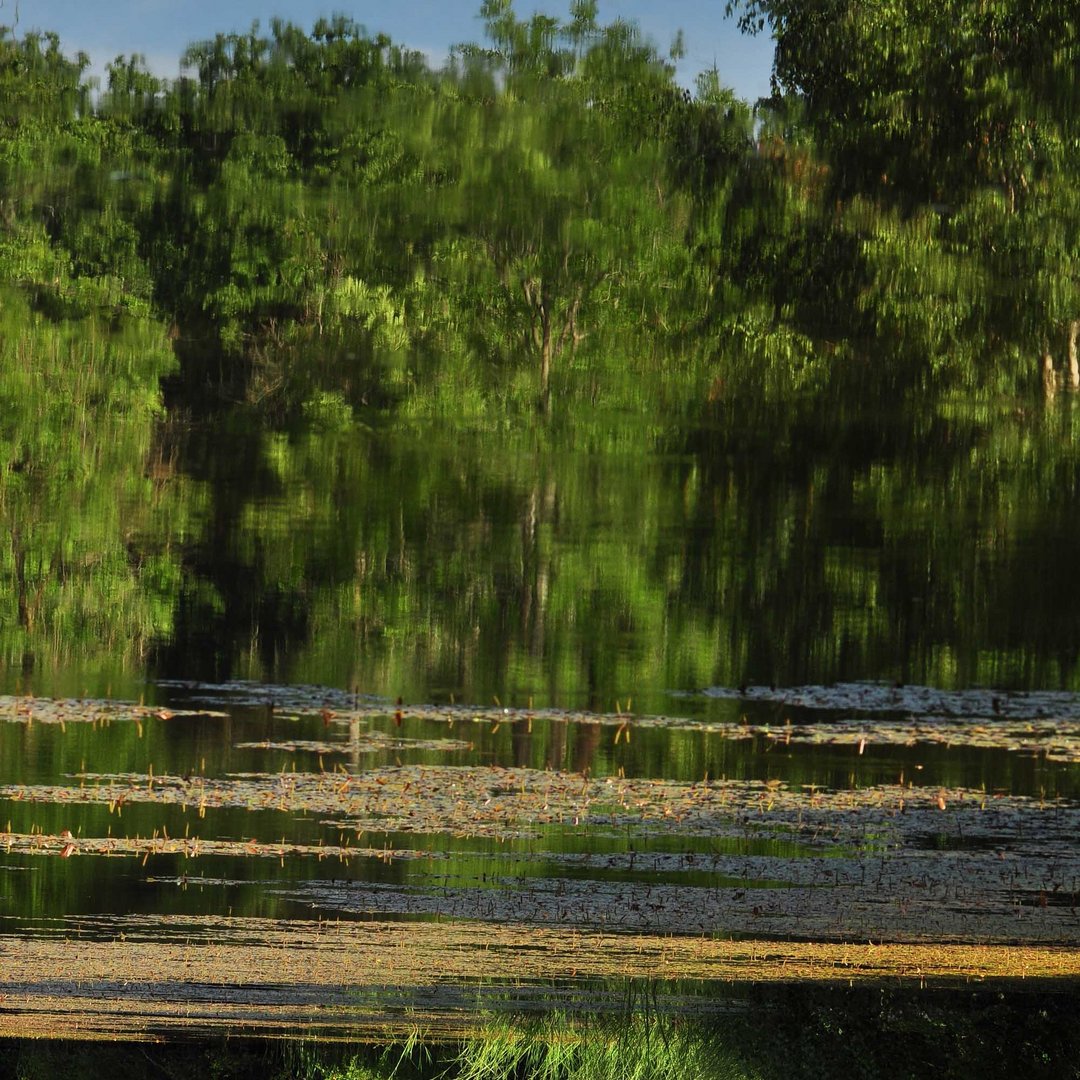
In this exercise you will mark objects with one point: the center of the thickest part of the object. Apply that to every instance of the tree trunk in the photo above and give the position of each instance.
(1074, 358)
(545, 355)
(538, 295)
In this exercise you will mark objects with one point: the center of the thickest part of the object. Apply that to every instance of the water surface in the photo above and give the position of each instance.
(702, 682)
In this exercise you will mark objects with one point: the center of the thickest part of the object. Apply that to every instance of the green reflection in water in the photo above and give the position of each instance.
(546, 564)
(429, 563)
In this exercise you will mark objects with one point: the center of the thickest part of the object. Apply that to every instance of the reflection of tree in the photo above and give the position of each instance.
(769, 550)
(85, 568)
(535, 556)
(521, 740)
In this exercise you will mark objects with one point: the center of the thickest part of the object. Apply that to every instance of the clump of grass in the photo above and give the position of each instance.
(356, 1069)
(640, 1047)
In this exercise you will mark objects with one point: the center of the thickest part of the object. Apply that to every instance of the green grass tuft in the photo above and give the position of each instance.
(641, 1048)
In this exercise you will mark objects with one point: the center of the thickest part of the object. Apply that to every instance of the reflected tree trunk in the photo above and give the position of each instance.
(586, 743)
(19, 557)
(556, 750)
(1049, 379)
(354, 742)
(27, 606)
(521, 742)
(536, 570)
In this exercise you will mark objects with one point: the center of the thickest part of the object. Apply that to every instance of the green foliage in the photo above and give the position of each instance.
(320, 227)
(515, 219)
(963, 116)
(322, 213)
(38, 83)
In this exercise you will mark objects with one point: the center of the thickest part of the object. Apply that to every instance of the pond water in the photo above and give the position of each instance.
(758, 679)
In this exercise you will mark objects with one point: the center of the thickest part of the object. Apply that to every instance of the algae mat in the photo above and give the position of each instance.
(153, 977)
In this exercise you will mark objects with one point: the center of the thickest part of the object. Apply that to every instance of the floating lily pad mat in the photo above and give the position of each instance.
(1055, 737)
(369, 743)
(1046, 724)
(383, 978)
(64, 711)
(886, 862)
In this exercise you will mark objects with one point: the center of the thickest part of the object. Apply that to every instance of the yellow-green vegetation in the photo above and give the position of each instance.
(642, 1047)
